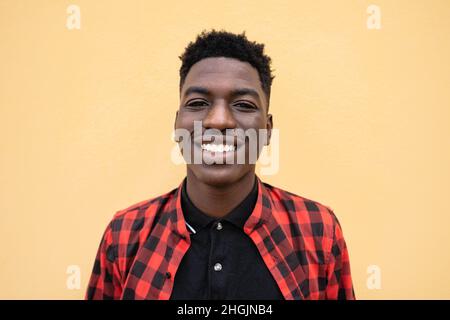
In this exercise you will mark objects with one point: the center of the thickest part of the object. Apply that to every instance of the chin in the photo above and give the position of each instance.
(220, 175)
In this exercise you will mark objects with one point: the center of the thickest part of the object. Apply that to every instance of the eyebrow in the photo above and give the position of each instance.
(234, 92)
(200, 90)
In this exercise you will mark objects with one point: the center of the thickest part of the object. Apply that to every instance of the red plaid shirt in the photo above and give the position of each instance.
(300, 241)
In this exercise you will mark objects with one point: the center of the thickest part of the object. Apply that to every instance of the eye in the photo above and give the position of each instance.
(245, 106)
(196, 104)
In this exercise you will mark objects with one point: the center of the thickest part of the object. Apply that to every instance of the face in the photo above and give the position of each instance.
(224, 94)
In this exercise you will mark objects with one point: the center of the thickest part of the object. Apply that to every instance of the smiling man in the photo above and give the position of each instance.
(223, 233)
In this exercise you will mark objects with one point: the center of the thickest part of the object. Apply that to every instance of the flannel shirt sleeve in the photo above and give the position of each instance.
(104, 283)
(339, 285)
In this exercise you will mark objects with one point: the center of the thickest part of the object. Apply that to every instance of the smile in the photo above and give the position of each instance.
(211, 147)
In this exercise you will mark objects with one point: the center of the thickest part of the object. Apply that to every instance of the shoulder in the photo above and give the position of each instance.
(139, 214)
(304, 212)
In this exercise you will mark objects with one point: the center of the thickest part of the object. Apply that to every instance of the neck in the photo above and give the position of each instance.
(218, 201)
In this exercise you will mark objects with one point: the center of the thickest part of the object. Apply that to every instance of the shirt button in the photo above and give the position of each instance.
(217, 267)
(219, 226)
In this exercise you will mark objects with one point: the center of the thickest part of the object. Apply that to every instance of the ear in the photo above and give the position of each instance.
(174, 127)
(175, 122)
(269, 126)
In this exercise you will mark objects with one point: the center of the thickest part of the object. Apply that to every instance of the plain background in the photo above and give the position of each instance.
(86, 118)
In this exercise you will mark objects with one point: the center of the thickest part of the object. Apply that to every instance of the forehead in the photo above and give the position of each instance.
(222, 71)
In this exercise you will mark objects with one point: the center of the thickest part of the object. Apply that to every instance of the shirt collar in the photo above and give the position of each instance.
(237, 216)
(261, 214)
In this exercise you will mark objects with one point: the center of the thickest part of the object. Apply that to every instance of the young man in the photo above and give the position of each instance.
(223, 233)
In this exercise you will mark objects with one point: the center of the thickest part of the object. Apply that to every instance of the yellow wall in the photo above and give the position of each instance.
(86, 117)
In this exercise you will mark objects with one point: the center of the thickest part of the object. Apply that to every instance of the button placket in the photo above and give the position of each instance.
(216, 265)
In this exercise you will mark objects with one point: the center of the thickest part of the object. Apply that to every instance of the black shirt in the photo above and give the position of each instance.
(222, 262)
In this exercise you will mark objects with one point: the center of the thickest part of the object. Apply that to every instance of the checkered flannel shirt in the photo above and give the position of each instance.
(300, 240)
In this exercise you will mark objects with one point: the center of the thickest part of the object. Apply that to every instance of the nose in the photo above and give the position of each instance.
(219, 117)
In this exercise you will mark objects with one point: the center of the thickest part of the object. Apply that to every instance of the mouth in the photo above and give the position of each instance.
(211, 147)
(218, 143)
(219, 149)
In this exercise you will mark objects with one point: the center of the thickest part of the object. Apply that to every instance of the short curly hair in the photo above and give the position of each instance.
(225, 44)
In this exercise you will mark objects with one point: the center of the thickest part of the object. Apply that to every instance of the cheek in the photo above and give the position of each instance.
(254, 121)
(186, 120)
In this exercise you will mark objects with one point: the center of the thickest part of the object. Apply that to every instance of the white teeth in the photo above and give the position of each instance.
(218, 147)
